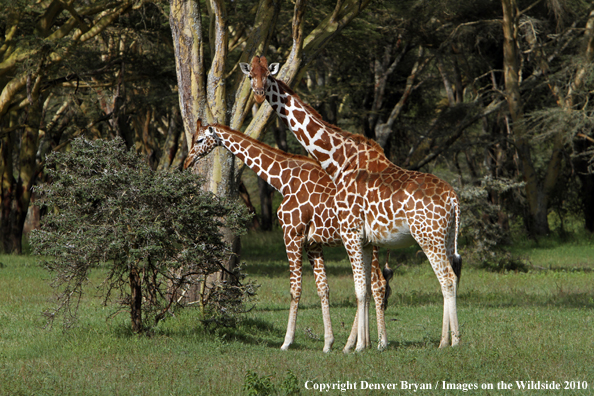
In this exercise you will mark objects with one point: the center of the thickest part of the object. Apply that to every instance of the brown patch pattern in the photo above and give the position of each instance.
(307, 213)
(378, 202)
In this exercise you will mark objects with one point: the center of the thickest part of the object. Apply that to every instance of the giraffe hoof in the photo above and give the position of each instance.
(285, 347)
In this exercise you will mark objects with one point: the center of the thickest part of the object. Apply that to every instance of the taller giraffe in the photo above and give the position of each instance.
(307, 215)
(377, 202)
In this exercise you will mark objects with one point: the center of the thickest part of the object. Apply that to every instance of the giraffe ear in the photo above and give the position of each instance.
(274, 68)
(245, 68)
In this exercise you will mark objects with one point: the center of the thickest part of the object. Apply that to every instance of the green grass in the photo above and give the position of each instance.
(534, 326)
(566, 253)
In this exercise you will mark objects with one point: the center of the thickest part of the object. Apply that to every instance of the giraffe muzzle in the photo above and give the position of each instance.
(259, 96)
(190, 161)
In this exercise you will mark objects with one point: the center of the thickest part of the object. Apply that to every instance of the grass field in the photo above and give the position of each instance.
(516, 328)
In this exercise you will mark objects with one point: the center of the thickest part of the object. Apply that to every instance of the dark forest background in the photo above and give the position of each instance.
(493, 96)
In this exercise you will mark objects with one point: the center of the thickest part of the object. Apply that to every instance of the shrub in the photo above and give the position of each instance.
(254, 385)
(482, 227)
(155, 232)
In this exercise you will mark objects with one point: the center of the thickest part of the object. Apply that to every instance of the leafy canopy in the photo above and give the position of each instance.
(108, 208)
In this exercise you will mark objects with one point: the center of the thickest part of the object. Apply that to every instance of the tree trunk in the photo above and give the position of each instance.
(584, 143)
(245, 196)
(135, 300)
(171, 145)
(266, 192)
(15, 193)
(279, 130)
(12, 211)
(203, 96)
(537, 199)
(587, 194)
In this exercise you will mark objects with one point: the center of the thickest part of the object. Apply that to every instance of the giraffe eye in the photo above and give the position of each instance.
(200, 140)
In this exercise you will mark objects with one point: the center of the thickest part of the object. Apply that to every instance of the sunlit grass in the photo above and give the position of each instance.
(566, 252)
(515, 327)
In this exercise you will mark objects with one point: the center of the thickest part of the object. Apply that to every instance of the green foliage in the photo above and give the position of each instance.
(290, 384)
(107, 208)
(255, 385)
(482, 226)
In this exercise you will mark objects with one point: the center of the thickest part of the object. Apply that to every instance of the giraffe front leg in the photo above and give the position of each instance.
(367, 259)
(294, 254)
(360, 258)
(352, 340)
(316, 259)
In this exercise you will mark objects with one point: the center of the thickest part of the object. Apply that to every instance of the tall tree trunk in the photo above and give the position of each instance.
(171, 145)
(584, 143)
(266, 192)
(202, 90)
(537, 199)
(15, 193)
(9, 233)
(203, 96)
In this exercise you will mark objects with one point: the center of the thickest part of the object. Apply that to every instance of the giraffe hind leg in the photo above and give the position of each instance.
(448, 279)
(316, 259)
(450, 316)
(379, 288)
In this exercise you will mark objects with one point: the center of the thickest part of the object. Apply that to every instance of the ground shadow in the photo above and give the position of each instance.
(281, 269)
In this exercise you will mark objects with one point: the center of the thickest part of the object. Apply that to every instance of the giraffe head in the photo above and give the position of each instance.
(204, 140)
(258, 72)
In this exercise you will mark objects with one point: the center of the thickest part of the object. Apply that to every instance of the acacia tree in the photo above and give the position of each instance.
(206, 66)
(555, 122)
(69, 69)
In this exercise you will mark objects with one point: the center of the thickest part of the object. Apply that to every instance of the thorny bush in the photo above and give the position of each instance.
(156, 233)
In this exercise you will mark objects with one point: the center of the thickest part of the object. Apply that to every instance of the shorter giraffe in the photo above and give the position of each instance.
(307, 215)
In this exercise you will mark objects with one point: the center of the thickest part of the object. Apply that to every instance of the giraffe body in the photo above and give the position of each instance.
(377, 202)
(307, 215)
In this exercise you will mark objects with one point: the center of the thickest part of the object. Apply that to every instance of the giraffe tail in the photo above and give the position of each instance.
(457, 265)
(388, 273)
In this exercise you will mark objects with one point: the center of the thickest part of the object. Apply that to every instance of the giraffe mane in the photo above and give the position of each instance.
(347, 135)
(275, 150)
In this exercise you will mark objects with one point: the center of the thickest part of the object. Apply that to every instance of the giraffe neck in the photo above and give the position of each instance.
(330, 146)
(272, 165)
